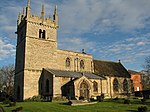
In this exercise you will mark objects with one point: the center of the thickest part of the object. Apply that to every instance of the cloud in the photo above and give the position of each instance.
(102, 16)
(128, 50)
(81, 16)
(6, 50)
(76, 44)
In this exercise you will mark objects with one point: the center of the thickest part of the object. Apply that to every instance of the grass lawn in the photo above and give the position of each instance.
(106, 106)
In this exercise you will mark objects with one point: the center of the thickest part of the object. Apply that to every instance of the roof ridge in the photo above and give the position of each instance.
(105, 61)
(74, 51)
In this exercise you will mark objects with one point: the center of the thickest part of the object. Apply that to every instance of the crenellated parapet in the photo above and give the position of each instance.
(22, 17)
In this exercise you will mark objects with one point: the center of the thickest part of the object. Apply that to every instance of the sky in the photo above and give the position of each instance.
(110, 30)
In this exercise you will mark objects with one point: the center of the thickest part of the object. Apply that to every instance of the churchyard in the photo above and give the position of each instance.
(108, 105)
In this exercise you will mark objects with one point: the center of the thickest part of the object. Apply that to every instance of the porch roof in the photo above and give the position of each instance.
(63, 73)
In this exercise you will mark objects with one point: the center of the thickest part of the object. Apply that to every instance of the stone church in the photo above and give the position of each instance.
(43, 69)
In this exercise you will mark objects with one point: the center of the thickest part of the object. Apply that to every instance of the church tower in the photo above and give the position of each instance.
(36, 44)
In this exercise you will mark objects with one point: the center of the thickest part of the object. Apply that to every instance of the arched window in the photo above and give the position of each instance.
(115, 85)
(67, 62)
(47, 86)
(95, 86)
(125, 85)
(82, 64)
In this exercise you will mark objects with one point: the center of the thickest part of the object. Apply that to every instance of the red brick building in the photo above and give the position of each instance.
(137, 80)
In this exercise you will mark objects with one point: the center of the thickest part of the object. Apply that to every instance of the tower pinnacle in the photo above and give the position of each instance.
(19, 19)
(56, 12)
(28, 9)
(28, 4)
(22, 16)
(42, 13)
(56, 17)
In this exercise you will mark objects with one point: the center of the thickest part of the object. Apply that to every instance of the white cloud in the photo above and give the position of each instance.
(76, 44)
(141, 43)
(6, 50)
(128, 50)
(100, 15)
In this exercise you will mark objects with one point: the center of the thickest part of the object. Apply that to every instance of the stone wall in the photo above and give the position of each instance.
(75, 58)
(108, 87)
(31, 83)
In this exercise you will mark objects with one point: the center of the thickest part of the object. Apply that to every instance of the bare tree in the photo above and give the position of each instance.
(7, 78)
(146, 74)
(147, 65)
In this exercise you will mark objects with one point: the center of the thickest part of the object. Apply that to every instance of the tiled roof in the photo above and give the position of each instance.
(108, 68)
(63, 73)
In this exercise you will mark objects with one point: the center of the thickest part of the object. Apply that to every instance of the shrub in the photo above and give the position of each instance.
(142, 109)
(59, 99)
(81, 98)
(3, 96)
(99, 98)
(102, 96)
(6, 101)
(1, 109)
(92, 99)
(34, 99)
(116, 98)
(12, 104)
(69, 102)
(126, 101)
(19, 109)
(143, 100)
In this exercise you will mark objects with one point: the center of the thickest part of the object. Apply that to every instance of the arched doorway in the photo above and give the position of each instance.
(47, 86)
(84, 91)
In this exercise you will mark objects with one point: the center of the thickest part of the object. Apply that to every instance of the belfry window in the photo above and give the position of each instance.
(82, 64)
(42, 34)
(67, 62)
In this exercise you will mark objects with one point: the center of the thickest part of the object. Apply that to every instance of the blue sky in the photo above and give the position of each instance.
(108, 29)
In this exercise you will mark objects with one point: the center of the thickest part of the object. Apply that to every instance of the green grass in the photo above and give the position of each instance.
(106, 106)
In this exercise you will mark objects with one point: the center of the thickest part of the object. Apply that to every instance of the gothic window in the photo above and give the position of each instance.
(115, 85)
(82, 64)
(67, 62)
(41, 34)
(125, 85)
(47, 86)
(95, 86)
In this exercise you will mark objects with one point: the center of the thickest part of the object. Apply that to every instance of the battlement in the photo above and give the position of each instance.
(38, 19)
